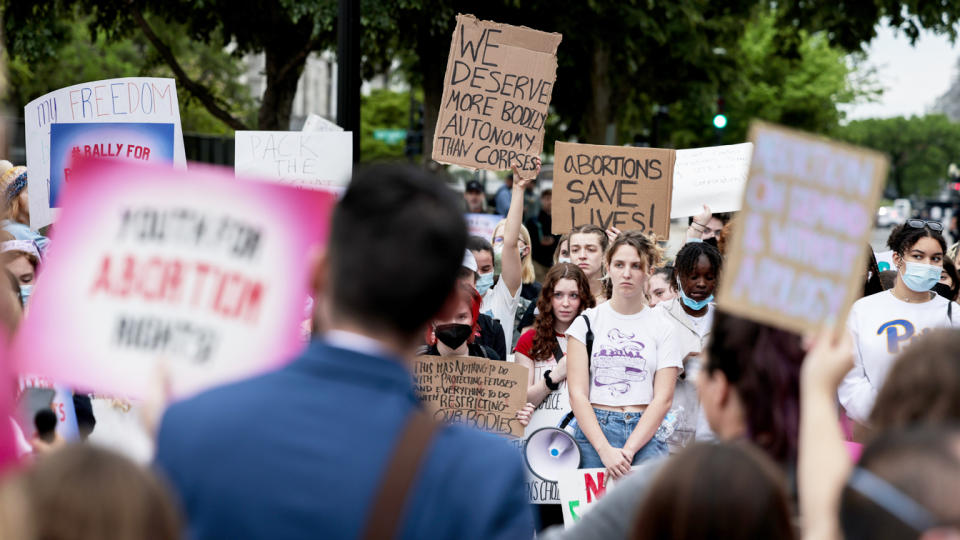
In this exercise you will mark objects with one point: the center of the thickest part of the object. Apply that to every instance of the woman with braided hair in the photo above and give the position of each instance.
(16, 207)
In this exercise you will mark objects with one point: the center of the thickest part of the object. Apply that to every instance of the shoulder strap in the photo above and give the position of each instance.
(557, 352)
(383, 519)
(950, 311)
(589, 338)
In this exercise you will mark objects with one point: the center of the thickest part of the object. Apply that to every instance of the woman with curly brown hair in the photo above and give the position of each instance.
(542, 349)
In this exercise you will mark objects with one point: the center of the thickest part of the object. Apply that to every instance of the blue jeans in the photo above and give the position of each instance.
(616, 427)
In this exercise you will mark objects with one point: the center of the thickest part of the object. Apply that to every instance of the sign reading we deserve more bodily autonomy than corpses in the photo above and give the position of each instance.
(612, 186)
(496, 93)
(798, 249)
(146, 143)
(302, 158)
(126, 100)
(480, 393)
(176, 267)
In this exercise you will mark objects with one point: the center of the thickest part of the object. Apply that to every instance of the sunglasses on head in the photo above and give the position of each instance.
(935, 226)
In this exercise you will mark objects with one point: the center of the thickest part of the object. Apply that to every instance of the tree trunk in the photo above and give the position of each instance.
(597, 114)
(283, 68)
(432, 52)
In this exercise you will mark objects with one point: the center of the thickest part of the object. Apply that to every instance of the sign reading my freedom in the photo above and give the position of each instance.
(130, 99)
(496, 93)
(612, 186)
(798, 249)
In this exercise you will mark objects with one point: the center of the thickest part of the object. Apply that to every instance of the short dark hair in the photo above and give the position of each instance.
(921, 463)
(903, 237)
(396, 243)
(724, 217)
(477, 243)
(688, 257)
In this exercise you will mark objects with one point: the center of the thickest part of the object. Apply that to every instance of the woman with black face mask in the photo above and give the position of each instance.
(455, 337)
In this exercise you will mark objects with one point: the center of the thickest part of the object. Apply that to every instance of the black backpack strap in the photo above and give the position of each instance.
(557, 351)
(950, 311)
(589, 338)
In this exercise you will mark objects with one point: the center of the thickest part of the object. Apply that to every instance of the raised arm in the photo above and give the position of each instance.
(510, 268)
(823, 463)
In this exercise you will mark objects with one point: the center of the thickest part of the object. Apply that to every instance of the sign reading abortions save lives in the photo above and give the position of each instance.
(481, 393)
(805, 197)
(496, 93)
(612, 186)
(130, 99)
(177, 267)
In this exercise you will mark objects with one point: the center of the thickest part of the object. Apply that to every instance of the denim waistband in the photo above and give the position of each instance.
(617, 415)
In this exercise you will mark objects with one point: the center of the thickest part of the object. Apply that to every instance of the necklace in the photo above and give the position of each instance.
(908, 300)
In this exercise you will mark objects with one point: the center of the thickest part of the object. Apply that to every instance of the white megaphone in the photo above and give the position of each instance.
(550, 451)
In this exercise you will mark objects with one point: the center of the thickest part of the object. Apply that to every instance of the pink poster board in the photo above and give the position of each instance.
(196, 270)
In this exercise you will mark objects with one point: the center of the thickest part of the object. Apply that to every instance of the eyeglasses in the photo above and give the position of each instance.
(935, 226)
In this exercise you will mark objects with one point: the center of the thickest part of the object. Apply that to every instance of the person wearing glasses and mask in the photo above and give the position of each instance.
(883, 324)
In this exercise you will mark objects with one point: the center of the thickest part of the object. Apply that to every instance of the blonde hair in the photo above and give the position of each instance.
(18, 209)
(645, 244)
(527, 272)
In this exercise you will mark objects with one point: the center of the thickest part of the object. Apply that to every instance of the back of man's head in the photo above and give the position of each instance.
(397, 240)
(905, 485)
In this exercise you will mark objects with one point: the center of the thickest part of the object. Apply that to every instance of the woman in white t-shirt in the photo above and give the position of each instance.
(500, 300)
(543, 348)
(883, 324)
(695, 274)
(621, 393)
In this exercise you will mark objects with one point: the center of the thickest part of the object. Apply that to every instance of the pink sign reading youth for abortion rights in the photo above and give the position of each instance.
(198, 270)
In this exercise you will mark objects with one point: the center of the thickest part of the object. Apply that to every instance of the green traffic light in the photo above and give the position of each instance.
(720, 121)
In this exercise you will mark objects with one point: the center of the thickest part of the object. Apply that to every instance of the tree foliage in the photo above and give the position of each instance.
(920, 149)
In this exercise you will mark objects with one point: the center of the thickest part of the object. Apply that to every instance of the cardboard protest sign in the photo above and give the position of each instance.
(481, 393)
(496, 94)
(177, 267)
(612, 186)
(715, 175)
(147, 143)
(307, 159)
(806, 197)
(482, 225)
(129, 99)
(579, 490)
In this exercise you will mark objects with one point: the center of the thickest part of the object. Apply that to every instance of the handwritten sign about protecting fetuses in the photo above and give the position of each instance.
(612, 186)
(496, 93)
(481, 393)
(797, 253)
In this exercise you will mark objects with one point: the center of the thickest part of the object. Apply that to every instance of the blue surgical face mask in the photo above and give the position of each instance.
(25, 292)
(484, 282)
(919, 277)
(690, 302)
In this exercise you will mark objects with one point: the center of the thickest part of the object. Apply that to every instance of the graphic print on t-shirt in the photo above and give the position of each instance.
(619, 363)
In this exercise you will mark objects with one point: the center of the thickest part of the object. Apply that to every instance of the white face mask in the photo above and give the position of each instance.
(563, 260)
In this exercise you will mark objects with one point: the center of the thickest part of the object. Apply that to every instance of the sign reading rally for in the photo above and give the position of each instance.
(176, 268)
(612, 186)
(147, 143)
(474, 391)
(496, 93)
(303, 158)
(805, 197)
(715, 175)
(130, 99)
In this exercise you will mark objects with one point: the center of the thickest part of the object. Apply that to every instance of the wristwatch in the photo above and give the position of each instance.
(550, 384)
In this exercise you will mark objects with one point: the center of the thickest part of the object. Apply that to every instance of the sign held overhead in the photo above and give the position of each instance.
(496, 93)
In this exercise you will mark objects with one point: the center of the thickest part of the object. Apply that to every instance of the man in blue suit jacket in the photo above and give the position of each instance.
(301, 452)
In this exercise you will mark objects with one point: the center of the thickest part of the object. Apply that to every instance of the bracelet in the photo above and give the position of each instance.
(550, 384)
(703, 228)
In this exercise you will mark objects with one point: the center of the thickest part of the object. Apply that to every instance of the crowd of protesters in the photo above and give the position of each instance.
(713, 425)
